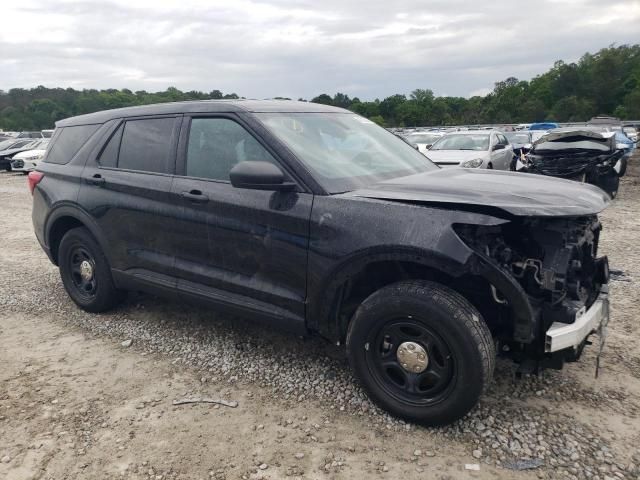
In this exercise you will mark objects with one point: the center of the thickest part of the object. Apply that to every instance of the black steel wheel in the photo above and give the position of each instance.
(413, 361)
(421, 351)
(82, 266)
(86, 273)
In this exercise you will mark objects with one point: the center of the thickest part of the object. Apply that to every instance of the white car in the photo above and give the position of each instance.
(422, 141)
(472, 149)
(26, 162)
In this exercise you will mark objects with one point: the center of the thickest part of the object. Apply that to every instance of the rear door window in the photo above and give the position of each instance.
(146, 145)
(67, 142)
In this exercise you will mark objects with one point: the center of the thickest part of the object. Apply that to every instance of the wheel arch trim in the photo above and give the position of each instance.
(71, 211)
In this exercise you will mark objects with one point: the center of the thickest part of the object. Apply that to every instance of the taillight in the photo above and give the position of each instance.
(33, 179)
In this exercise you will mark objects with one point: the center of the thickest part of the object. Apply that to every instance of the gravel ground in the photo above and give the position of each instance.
(566, 424)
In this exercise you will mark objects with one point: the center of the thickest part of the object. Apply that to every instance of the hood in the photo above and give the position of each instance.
(29, 153)
(454, 156)
(562, 141)
(574, 134)
(518, 194)
(12, 151)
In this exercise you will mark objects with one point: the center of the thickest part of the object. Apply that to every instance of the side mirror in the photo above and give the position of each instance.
(428, 146)
(499, 146)
(259, 176)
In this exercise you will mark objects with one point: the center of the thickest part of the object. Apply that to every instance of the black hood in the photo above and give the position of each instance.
(516, 193)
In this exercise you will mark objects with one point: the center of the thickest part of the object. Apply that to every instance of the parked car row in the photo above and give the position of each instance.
(22, 154)
(4, 135)
(598, 156)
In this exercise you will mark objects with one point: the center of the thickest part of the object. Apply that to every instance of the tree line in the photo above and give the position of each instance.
(602, 83)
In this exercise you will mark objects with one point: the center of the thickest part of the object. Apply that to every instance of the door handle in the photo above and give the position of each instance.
(195, 196)
(96, 180)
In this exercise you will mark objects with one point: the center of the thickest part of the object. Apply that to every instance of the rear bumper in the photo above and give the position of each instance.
(562, 336)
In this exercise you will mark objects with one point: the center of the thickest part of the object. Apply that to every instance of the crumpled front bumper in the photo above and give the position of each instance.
(23, 165)
(562, 336)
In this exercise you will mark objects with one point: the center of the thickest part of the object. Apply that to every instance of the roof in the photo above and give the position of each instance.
(543, 126)
(605, 120)
(201, 106)
(473, 132)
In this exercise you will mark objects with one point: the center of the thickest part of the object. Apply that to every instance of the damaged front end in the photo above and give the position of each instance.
(553, 263)
(582, 155)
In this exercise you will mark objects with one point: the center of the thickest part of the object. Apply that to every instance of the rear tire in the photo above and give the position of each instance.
(439, 324)
(86, 273)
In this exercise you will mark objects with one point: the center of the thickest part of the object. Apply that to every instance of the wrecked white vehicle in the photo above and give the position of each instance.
(577, 154)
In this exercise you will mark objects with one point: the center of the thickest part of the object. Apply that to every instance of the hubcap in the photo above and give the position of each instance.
(411, 361)
(412, 357)
(86, 271)
(82, 271)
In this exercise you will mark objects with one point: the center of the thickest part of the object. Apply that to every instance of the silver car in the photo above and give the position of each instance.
(472, 149)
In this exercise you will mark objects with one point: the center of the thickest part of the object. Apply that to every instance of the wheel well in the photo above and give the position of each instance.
(374, 276)
(58, 229)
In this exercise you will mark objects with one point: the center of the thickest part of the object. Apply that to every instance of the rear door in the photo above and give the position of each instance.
(245, 248)
(126, 187)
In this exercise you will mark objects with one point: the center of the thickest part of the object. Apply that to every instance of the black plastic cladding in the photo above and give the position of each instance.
(282, 257)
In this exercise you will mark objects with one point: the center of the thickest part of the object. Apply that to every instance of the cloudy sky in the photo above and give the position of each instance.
(266, 48)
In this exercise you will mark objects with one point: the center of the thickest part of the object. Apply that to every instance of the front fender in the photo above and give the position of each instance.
(322, 303)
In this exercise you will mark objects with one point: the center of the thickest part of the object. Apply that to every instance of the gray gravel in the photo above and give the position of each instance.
(518, 420)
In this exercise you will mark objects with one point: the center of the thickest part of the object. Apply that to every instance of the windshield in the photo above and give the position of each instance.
(6, 143)
(344, 151)
(517, 137)
(426, 138)
(478, 142)
(11, 144)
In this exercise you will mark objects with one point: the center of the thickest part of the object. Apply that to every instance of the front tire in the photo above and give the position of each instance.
(421, 351)
(86, 273)
(622, 168)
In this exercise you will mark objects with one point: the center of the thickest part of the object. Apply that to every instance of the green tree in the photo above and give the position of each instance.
(323, 98)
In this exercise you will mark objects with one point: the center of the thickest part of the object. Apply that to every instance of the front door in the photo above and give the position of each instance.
(244, 248)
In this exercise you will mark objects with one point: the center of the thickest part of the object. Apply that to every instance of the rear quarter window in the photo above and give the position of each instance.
(67, 141)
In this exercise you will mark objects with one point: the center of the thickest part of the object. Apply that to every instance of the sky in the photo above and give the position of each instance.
(262, 49)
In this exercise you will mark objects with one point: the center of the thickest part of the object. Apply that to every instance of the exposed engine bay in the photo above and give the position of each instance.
(554, 261)
(581, 155)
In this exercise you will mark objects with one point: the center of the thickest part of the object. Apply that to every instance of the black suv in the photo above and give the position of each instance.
(315, 219)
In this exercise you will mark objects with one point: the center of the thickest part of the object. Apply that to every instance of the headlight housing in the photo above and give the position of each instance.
(474, 163)
(33, 157)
